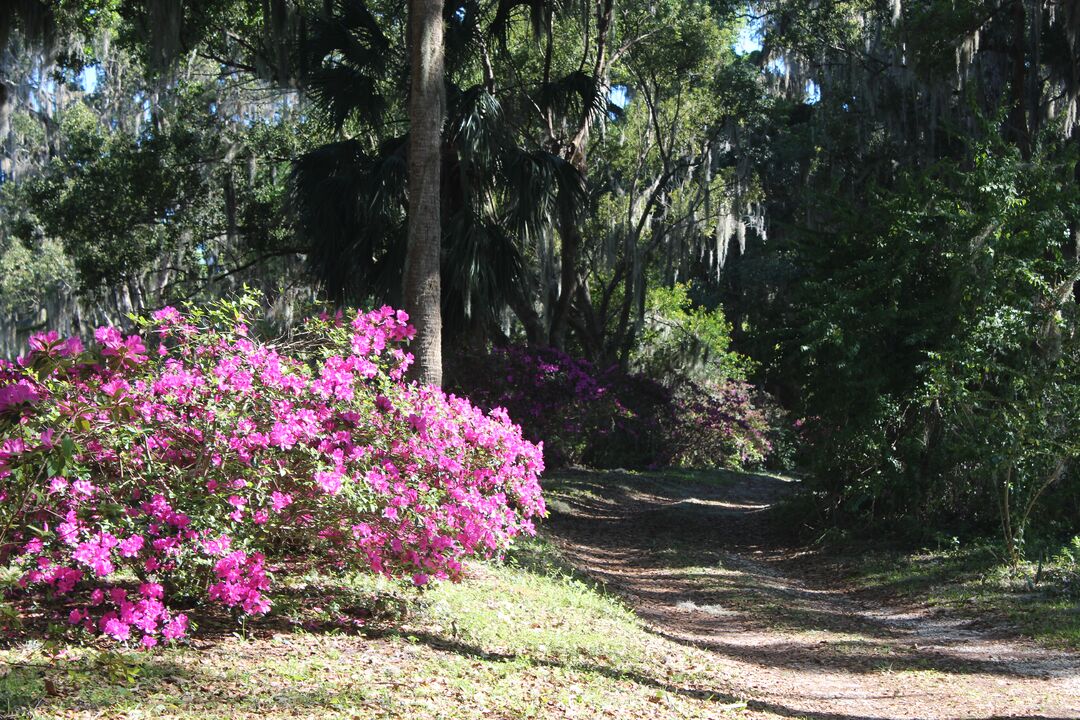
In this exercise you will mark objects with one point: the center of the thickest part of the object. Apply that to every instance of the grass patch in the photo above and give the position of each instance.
(1042, 602)
(521, 639)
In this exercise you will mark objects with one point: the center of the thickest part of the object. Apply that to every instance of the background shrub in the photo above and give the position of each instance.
(583, 415)
(612, 418)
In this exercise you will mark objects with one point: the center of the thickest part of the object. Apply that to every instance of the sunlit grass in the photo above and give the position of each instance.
(1042, 604)
(521, 639)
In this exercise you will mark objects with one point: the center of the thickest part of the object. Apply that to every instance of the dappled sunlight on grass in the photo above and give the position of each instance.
(976, 582)
(523, 639)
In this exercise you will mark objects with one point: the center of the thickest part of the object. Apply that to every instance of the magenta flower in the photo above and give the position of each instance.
(279, 500)
(18, 394)
(324, 451)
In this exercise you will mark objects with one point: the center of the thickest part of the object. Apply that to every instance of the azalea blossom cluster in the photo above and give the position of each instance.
(724, 424)
(176, 465)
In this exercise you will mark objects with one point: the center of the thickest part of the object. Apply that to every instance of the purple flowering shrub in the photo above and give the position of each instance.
(583, 414)
(608, 417)
(177, 466)
(720, 425)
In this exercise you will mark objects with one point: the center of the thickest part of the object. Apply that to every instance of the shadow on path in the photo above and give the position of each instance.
(703, 562)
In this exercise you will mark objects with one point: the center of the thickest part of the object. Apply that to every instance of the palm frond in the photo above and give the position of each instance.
(540, 14)
(542, 188)
(574, 95)
(477, 133)
(349, 212)
(462, 35)
(482, 271)
(346, 53)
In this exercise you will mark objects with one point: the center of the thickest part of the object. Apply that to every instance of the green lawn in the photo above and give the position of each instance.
(524, 639)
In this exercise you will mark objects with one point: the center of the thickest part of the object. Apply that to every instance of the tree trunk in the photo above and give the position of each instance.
(422, 290)
(536, 333)
(571, 243)
(1019, 112)
(574, 152)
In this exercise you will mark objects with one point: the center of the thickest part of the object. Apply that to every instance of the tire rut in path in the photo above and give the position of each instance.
(702, 564)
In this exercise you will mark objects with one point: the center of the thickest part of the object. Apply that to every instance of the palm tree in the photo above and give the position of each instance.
(499, 193)
(427, 102)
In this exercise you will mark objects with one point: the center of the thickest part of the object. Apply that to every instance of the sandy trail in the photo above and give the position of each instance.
(702, 565)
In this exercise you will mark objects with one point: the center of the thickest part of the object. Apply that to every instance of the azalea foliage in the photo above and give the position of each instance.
(177, 466)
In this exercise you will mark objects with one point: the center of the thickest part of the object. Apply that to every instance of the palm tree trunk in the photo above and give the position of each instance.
(422, 289)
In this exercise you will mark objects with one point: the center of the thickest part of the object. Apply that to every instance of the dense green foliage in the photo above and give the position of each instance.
(916, 300)
(948, 316)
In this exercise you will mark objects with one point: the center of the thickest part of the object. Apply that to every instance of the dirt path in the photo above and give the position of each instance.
(701, 565)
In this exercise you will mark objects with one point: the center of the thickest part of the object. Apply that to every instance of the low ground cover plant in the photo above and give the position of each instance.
(173, 467)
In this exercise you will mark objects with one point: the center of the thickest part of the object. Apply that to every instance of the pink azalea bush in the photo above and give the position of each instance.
(173, 467)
